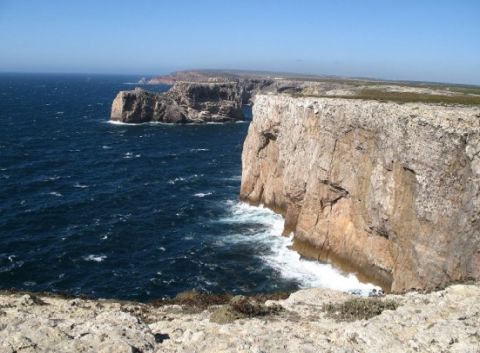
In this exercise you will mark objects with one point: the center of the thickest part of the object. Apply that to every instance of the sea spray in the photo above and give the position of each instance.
(287, 262)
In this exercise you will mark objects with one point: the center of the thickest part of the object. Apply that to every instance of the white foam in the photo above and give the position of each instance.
(199, 149)
(54, 193)
(95, 258)
(81, 186)
(289, 264)
(116, 122)
(176, 180)
(201, 194)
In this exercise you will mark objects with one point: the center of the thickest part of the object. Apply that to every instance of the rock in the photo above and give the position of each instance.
(444, 321)
(390, 191)
(184, 103)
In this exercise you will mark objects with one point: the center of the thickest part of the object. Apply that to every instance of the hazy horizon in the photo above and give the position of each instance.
(432, 41)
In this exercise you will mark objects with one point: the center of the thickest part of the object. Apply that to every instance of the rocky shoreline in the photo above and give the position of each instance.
(311, 320)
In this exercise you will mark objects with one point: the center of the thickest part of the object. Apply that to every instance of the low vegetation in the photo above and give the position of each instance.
(194, 298)
(359, 308)
(412, 97)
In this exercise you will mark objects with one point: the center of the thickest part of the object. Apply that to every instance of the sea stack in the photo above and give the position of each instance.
(185, 102)
(388, 190)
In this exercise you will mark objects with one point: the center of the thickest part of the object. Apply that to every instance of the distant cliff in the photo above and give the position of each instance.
(185, 102)
(391, 191)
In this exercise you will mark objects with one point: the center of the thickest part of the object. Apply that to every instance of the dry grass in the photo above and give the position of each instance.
(359, 308)
(252, 308)
(407, 97)
(201, 300)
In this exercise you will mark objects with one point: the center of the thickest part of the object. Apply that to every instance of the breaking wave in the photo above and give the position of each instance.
(265, 229)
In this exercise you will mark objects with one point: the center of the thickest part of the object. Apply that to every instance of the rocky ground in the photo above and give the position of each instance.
(443, 321)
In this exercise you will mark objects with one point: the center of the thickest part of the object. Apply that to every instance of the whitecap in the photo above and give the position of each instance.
(106, 147)
(266, 230)
(54, 193)
(201, 194)
(95, 258)
(81, 186)
(234, 178)
(60, 113)
(128, 155)
(174, 181)
(116, 122)
(199, 150)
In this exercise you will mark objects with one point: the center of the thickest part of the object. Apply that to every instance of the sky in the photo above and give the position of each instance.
(421, 40)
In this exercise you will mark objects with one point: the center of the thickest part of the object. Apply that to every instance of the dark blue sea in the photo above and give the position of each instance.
(130, 211)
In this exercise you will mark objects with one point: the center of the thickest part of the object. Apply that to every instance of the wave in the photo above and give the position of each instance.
(201, 194)
(95, 258)
(287, 262)
(54, 193)
(116, 122)
(81, 186)
(178, 179)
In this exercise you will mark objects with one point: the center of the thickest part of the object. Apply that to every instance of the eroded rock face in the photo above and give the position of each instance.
(388, 190)
(184, 103)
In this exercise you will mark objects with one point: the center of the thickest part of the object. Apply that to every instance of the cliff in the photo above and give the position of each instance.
(185, 102)
(445, 321)
(388, 190)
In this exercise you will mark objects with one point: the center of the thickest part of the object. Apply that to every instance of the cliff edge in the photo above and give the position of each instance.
(388, 190)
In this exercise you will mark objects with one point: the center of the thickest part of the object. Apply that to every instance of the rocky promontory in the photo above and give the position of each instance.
(311, 320)
(185, 102)
(388, 190)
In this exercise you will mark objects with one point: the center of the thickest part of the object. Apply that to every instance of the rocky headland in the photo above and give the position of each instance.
(390, 190)
(185, 102)
(311, 320)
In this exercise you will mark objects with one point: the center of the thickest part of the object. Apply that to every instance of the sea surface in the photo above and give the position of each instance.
(131, 211)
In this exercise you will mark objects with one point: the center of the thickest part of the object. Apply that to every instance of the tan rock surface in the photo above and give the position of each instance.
(444, 321)
(385, 189)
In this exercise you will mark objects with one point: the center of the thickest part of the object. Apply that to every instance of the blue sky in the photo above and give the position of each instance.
(410, 40)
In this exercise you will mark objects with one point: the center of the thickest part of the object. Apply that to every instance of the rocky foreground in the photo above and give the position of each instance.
(443, 321)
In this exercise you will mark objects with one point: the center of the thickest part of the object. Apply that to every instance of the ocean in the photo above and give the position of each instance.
(135, 212)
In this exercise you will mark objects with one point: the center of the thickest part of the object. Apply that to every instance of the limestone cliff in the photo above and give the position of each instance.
(185, 102)
(385, 189)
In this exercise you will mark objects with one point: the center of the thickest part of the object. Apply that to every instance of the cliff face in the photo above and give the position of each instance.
(388, 190)
(185, 102)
